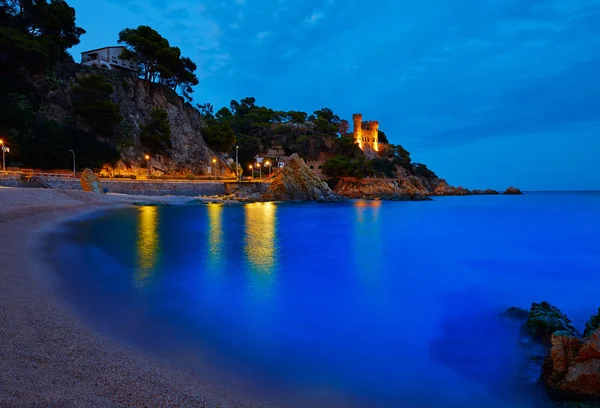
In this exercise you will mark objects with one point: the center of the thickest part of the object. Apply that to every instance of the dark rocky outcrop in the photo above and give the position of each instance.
(296, 181)
(90, 182)
(592, 325)
(545, 319)
(513, 191)
(488, 191)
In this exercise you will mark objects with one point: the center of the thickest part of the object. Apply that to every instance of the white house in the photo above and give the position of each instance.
(108, 57)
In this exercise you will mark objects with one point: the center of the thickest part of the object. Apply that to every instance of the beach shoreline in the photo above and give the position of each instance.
(49, 356)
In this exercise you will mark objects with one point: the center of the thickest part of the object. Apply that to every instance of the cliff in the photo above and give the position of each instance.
(135, 98)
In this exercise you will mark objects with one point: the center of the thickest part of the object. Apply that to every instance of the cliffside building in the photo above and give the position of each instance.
(108, 57)
(366, 133)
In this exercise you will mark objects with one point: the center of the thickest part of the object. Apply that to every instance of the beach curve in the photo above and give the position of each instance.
(48, 356)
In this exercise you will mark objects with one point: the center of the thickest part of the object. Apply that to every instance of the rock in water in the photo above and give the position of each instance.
(516, 312)
(91, 182)
(296, 181)
(572, 370)
(513, 191)
(544, 320)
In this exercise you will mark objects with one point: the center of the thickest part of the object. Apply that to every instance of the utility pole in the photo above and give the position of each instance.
(237, 174)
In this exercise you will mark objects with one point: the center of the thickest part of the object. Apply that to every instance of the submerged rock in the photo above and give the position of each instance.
(513, 191)
(544, 320)
(296, 181)
(572, 370)
(90, 182)
(516, 312)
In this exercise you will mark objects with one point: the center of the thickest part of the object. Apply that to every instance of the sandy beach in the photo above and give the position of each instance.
(48, 357)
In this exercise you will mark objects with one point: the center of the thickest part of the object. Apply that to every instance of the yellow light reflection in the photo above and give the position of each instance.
(368, 251)
(215, 233)
(147, 242)
(260, 242)
(367, 207)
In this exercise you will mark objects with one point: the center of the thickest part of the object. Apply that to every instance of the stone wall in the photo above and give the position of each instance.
(137, 187)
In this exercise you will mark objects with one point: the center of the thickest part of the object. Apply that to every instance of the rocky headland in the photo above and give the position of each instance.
(569, 369)
(297, 182)
(408, 188)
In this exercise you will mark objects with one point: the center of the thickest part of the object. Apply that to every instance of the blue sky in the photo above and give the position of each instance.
(487, 93)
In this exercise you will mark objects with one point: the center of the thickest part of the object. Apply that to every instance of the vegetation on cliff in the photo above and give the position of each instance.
(50, 105)
(157, 60)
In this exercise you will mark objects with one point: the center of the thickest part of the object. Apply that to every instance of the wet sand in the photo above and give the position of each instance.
(49, 357)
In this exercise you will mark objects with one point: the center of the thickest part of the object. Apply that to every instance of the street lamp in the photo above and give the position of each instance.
(4, 150)
(237, 175)
(215, 167)
(259, 171)
(147, 157)
(268, 164)
(251, 171)
(74, 171)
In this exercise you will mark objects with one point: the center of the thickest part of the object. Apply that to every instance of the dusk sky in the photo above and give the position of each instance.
(487, 93)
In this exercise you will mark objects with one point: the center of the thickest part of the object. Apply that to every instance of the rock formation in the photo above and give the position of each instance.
(90, 182)
(545, 319)
(513, 191)
(572, 370)
(410, 187)
(297, 182)
(135, 97)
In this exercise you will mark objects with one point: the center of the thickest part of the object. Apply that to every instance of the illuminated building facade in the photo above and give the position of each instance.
(366, 133)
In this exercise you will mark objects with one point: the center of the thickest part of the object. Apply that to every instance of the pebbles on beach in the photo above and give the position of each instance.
(50, 358)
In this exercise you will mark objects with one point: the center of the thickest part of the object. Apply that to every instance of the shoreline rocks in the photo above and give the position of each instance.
(570, 371)
(296, 181)
(513, 191)
(545, 319)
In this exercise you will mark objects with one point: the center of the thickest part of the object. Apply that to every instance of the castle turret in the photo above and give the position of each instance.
(376, 135)
(357, 118)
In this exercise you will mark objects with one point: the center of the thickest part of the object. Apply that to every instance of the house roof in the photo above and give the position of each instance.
(103, 48)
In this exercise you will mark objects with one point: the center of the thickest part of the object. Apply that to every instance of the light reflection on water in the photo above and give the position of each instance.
(215, 236)
(148, 243)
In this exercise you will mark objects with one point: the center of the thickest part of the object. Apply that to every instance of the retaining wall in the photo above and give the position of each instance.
(143, 187)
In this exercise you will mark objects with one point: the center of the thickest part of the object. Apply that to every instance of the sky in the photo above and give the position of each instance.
(487, 93)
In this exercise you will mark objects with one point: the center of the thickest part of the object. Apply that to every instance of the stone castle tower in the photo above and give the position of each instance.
(366, 133)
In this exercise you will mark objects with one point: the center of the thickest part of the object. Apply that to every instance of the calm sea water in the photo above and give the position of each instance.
(369, 303)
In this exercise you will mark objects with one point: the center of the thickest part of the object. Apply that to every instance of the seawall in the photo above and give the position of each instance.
(144, 187)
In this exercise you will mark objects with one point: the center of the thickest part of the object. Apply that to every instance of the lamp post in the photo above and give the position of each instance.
(268, 165)
(251, 171)
(259, 171)
(147, 157)
(3, 151)
(74, 171)
(237, 175)
(215, 167)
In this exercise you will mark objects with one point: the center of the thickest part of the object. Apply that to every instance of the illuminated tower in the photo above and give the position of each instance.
(357, 118)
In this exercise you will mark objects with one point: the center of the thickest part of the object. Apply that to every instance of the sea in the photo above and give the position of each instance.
(360, 304)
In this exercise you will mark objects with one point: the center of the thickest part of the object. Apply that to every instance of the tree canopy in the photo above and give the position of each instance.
(157, 60)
